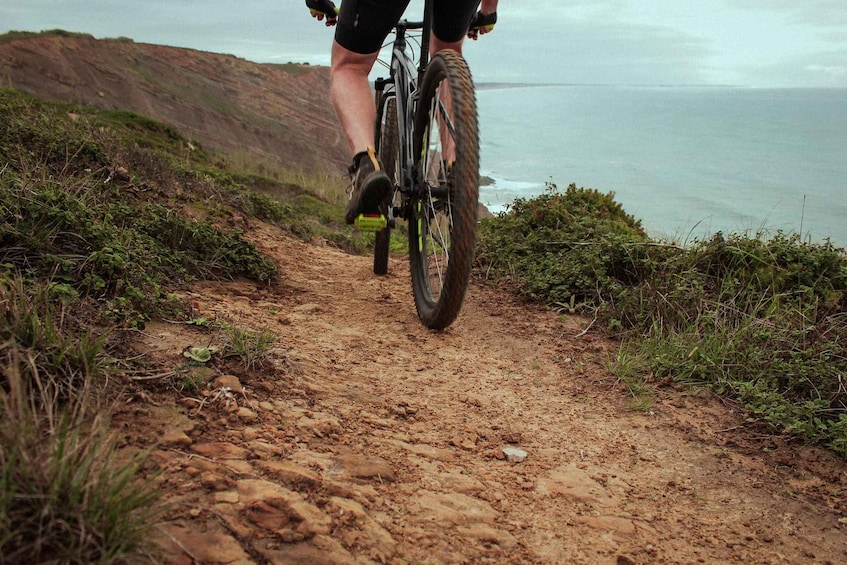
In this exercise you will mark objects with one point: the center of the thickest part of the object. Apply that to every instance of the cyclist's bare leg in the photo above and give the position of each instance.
(352, 97)
(447, 145)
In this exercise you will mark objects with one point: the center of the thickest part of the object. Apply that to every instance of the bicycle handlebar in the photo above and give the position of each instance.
(410, 25)
(327, 9)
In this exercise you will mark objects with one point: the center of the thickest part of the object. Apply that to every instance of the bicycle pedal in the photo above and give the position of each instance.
(370, 222)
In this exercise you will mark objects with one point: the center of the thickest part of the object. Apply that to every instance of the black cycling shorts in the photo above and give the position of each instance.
(363, 25)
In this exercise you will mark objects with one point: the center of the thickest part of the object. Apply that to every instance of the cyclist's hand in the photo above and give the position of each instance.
(482, 24)
(321, 9)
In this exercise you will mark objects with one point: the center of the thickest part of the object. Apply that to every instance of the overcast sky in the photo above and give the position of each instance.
(767, 43)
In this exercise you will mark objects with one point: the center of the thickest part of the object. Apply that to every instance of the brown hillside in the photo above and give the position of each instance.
(225, 103)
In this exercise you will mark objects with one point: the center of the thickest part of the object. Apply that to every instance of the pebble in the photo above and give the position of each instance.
(219, 450)
(514, 454)
(512, 437)
(229, 497)
(176, 437)
(368, 468)
(292, 475)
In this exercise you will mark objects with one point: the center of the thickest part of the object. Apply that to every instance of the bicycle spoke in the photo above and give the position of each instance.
(441, 237)
(447, 119)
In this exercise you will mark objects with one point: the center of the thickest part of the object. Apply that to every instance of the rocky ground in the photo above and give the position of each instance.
(367, 438)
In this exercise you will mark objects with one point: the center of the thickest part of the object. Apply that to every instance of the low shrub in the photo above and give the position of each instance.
(759, 320)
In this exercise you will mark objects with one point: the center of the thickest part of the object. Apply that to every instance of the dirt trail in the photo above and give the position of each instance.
(372, 439)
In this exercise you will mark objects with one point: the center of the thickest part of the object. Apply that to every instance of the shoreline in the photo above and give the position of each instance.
(496, 194)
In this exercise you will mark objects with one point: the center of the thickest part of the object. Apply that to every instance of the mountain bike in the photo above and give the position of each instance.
(427, 136)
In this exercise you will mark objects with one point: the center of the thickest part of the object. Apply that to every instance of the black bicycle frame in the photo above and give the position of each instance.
(403, 84)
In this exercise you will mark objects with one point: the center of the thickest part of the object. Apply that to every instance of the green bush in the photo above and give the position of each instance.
(65, 216)
(761, 321)
(576, 246)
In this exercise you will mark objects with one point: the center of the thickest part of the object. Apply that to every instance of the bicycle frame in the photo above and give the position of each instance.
(403, 84)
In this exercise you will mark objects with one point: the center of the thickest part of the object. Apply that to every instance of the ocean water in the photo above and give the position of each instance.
(686, 161)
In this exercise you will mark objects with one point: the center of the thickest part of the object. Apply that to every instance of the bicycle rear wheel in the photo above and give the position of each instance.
(389, 153)
(443, 208)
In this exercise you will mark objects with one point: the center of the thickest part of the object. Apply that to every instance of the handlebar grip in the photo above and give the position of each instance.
(483, 21)
(322, 8)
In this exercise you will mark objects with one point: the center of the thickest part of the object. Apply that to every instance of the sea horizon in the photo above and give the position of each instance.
(686, 160)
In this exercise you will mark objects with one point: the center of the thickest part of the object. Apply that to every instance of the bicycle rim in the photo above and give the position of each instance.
(443, 211)
(389, 153)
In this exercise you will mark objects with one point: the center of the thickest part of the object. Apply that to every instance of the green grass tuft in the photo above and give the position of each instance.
(64, 496)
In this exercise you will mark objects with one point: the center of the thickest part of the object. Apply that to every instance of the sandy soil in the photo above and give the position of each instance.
(367, 438)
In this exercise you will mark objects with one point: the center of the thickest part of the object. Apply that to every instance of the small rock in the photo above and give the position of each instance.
(228, 381)
(514, 454)
(320, 425)
(208, 547)
(367, 468)
(219, 450)
(498, 454)
(121, 173)
(307, 308)
(486, 533)
(229, 497)
(246, 415)
(214, 481)
(292, 475)
(512, 437)
(176, 437)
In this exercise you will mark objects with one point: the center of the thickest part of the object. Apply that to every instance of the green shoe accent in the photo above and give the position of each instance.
(370, 222)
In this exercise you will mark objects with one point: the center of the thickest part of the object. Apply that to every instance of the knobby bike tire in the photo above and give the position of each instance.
(443, 212)
(387, 140)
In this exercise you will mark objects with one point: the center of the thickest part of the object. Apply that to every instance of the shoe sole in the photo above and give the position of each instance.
(374, 193)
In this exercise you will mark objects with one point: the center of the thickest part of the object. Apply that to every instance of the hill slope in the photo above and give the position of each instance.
(269, 112)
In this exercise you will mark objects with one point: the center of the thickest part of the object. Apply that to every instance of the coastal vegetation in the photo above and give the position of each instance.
(760, 320)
